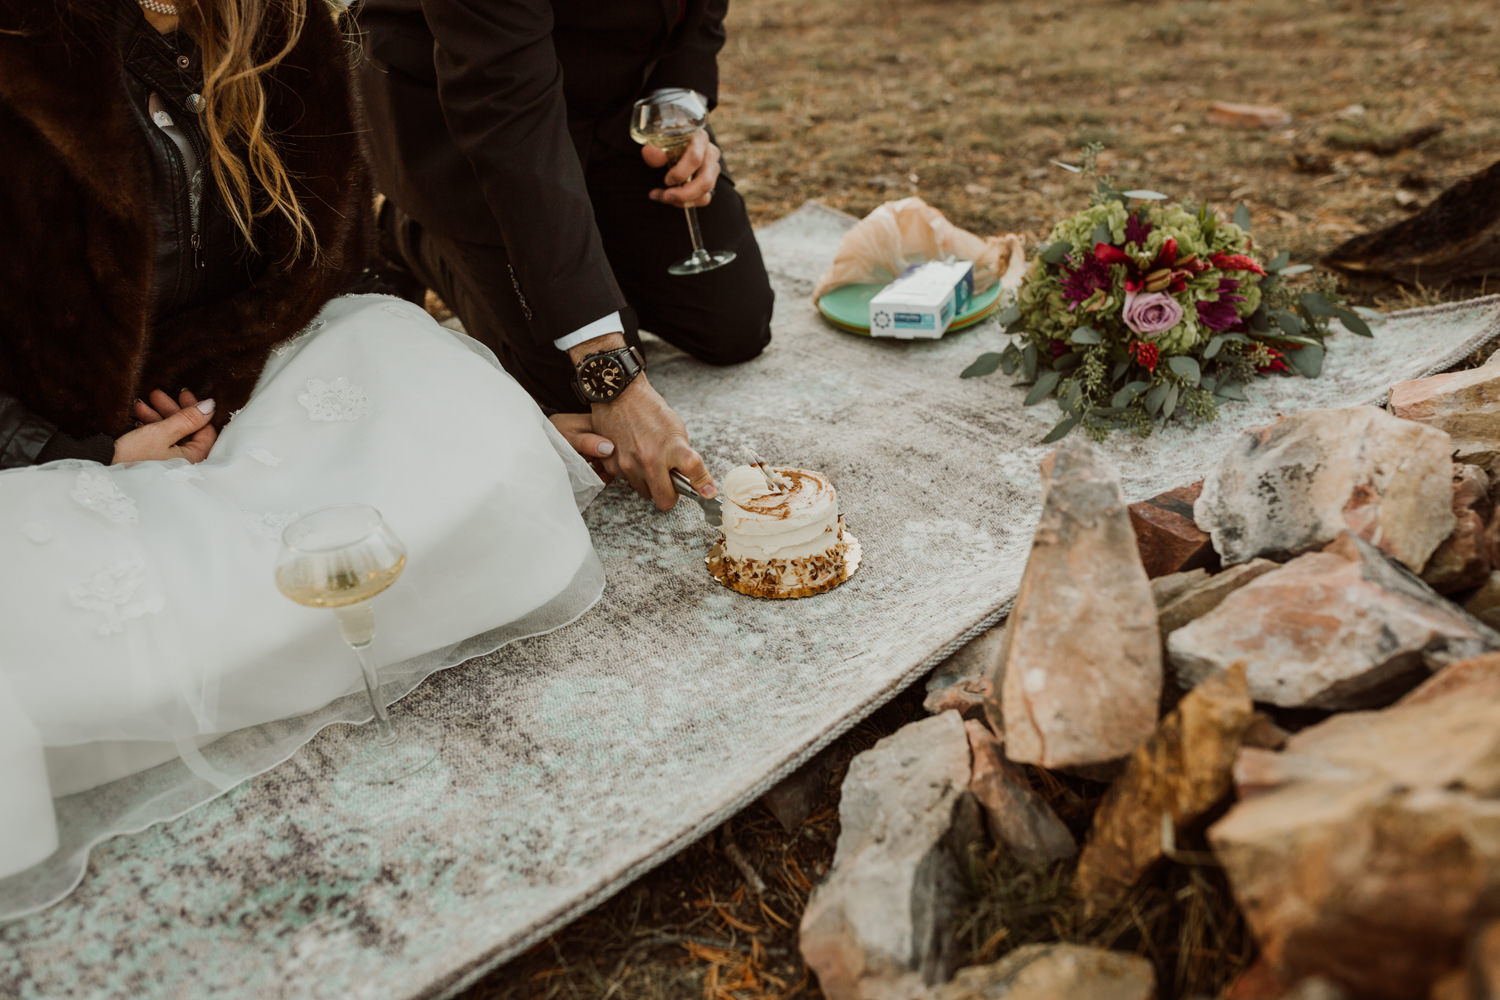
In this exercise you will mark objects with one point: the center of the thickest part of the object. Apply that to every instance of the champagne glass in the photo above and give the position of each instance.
(668, 119)
(339, 557)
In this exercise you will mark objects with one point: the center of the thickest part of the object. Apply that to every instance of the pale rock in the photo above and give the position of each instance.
(1479, 676)
(1248, 116)
(1298, 483)
(1055, 972)
(1464, 404)
(1342, 628)
(1363, 851)
(1484, 603)
(1018, 818)
(881, 925)
(1184, 770)
(1462, 561)
(1166, 589)
(1197, 601)
(1082, 654)
(964, 680)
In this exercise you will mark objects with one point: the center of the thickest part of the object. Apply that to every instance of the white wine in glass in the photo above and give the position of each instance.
(339, 557)
(668, 120)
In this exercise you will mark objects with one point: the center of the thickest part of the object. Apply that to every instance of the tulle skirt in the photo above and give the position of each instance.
(147, 660)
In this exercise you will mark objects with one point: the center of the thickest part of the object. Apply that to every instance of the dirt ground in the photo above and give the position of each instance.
(965, 103)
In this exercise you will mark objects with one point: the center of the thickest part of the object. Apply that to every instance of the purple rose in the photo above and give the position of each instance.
(1152, 312)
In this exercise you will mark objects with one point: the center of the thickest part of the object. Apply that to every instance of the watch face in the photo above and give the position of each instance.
(602, 377)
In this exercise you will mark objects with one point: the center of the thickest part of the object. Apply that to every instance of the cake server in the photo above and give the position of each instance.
(713, 510)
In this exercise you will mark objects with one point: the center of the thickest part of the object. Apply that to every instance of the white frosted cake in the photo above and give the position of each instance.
(782, 544)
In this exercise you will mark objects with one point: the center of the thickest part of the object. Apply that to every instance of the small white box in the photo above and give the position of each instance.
(923, 300)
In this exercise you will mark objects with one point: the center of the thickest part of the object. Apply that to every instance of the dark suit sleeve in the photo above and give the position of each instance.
(501, 89)
(694, 60)
(27, 439)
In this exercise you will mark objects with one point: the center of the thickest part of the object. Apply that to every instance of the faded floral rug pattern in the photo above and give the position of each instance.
(578, 760)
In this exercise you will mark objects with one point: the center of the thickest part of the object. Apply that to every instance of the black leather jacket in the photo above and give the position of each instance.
(198, 254)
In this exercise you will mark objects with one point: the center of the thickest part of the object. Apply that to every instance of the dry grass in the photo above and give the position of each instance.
(965, 103)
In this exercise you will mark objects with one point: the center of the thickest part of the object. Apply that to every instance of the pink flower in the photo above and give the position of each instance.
(1151, 312)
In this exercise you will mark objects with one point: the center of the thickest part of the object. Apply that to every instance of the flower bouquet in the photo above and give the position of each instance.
(1137, 311)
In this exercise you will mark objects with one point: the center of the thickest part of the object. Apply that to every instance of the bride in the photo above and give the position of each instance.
(182, 374)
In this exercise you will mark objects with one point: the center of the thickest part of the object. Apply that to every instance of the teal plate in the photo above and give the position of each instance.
(848, 307)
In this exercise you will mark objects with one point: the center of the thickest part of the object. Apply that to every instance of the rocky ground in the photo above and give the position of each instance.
(966, 104)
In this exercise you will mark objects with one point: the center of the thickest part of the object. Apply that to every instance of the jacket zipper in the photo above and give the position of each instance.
(192, 163)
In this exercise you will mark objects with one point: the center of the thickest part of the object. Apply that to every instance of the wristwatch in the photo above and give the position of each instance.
(603, 375)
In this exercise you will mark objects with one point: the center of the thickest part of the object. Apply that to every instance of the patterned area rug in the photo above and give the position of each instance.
(578, 760)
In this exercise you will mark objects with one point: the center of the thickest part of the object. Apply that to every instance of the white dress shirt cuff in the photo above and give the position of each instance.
(598, 328)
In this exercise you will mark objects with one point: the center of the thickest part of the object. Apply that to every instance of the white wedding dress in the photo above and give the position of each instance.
(139, 617)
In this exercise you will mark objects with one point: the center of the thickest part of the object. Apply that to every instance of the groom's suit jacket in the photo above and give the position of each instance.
(484, 116)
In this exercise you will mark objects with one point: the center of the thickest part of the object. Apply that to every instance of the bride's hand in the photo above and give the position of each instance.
(168, 430)
(578, 428)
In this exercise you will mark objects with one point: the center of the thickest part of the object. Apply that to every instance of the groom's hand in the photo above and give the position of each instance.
(650, 441)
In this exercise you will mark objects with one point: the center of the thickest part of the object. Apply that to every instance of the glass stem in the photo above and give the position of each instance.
(357, 623)
(694, 233)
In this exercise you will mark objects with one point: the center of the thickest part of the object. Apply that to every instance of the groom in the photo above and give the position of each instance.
(500, 136)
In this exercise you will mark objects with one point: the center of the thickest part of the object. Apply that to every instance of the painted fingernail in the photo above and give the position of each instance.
(605, 448)
(207, 406)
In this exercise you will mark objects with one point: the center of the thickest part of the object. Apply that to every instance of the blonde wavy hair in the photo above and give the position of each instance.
(231, 37)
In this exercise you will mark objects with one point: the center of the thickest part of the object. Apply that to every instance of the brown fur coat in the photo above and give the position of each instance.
(75, 342)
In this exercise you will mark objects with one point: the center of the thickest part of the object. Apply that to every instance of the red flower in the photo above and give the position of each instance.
(1236, 262)
(1168, 255)
(1111, 254)
(1275, 361)
(1146, 354)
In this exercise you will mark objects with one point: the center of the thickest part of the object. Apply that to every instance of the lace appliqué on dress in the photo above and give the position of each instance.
(98, 492)
(182, 471)
(264, 457)
(113, 592)
(334, 401)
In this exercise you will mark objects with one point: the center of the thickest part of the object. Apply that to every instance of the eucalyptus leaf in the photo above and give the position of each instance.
(1352, 322)
(1067, 362)
(1120, 368)
(1242, 217)
(1296, 269)
(1071, 397)
(1061, 429)
(1068, 167)
(1316, 304)
(1185, 366)
(1259, 321)
(1279, 263)
(1207, 383)
(1101, 234)
(1028, 362)
(1212, 347)
(1170, 402)
(1146, 195)
(983, 365)
(1086, 335)
(1236, 338)
(1127, 392)
(1010, 359)
(1289, 322)
(1308, 361)
(1009, 315)
(1055, 252)
(1156, 397)
(1045, 383)
(1291, 338)
(1231, 390)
